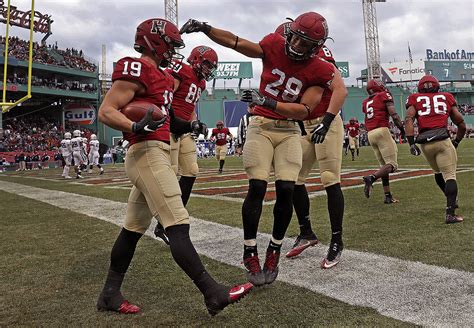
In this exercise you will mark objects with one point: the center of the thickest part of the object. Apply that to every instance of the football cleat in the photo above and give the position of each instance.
(270, 268)
(161, 233)
(67, 177)
(125, 307)
(390, 200)
(333, 256)
(453, 218)
(254, 272)
(301, 243)
(226, 296)
(220, 170)
(79, 176)
(368, 180)
(101, 172)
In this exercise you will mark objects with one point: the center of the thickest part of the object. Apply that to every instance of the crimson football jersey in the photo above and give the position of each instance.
(286, 80)
(326, 54)
(221, 135)
(189, 90)
(159, 91)
(353, 129)
(375, 110)
(432, 109)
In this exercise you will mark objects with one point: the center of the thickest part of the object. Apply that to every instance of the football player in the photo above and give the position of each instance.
(432, 108)
(189, 81)
(353, 131)
(94, 154)
(77, 149)
(377, 109)
(219, 136)
(66, 152)
(329, 157)
(292, 83)
(85, 159)
(155, 190)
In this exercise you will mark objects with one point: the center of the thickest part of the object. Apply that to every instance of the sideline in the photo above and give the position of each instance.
(410, 291)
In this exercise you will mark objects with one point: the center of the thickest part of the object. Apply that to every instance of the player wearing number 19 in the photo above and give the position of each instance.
(377, 109)
(292, 83)
(432, 108)
(155, 190)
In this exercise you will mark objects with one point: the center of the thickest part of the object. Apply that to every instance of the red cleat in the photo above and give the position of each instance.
(116, 303)
(128, 308)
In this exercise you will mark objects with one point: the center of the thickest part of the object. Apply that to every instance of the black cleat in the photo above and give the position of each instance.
(254, 272)
(270, 268)
(333, 256)
(226, 296)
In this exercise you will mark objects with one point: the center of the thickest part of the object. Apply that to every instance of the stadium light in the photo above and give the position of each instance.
(6, 106)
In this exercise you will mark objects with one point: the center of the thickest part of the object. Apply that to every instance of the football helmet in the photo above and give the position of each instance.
(374, 86)
(310, 29)
(93, 137)
(161, 37)
(67, 135)
(76, 133)
(220, 124)
(428, 84)
(203, 60)
(353, 120)
(283, 29)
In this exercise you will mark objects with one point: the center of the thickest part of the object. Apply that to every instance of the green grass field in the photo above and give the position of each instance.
(54, 260)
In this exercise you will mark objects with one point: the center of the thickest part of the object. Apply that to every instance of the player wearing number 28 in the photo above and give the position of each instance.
(432, 108)
(155, 191)
(291, 86)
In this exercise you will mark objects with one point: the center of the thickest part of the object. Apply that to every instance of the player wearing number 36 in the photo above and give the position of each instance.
(292, 83)
(155, 191)
(432, 108)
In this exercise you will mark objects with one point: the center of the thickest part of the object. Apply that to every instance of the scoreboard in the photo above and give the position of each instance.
(448, 71)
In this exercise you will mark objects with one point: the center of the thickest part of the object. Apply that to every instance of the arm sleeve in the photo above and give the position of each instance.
(177, 125)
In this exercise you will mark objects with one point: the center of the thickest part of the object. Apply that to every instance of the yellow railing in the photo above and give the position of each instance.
(6, 106)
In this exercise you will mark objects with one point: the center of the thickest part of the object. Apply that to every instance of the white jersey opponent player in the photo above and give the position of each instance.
(94, 154)
(85, 142)
(66, 152)
(77, 149)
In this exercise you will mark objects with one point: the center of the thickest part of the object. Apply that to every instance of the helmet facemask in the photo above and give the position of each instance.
(312, 46)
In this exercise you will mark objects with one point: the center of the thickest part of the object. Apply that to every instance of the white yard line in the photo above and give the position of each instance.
(405, 290)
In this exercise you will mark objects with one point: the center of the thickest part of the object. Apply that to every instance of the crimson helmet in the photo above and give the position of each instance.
(310, 27)
(428, 84)
(283, 29)
(204, 62)
(374, 86)
(220, 123)
(353, 119)
(161, 37)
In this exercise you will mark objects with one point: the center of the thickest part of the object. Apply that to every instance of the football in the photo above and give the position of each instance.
(137, 109)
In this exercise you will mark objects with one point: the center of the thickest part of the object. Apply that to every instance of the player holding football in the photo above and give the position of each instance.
(155, 190)
(94, 154)
(432, 108)
(219, 135)
(353, 130)
(377, 109)
(66, 152)
(189, 81)
(292, 83)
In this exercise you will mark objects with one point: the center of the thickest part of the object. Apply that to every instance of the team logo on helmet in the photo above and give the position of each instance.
(158, 26)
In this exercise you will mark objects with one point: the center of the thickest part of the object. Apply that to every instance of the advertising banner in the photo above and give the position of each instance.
(80, 113)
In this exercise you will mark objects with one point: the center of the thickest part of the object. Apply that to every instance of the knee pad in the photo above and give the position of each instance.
(328, 178)
(257, 188)
(284, 188)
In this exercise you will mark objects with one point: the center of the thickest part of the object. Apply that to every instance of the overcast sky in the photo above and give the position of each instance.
(434, 24)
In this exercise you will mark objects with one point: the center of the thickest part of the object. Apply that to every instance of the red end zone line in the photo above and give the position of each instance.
(346, 181)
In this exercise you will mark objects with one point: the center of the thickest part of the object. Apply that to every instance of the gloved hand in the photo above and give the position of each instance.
(197, 127)
(147, 124)
(318, 134)
(254, 97)
(414, 150)
(193, 26)
(455, 142)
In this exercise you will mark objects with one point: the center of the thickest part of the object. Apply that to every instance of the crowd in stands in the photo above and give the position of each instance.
(466, 109)
(42, 54)
(53, 83)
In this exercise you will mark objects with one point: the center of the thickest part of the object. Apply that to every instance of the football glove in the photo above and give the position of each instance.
(455, 142)
(147, 124)
(414, 150)
(254, 97)
(193, 26)
(197, 127)
(318, 134)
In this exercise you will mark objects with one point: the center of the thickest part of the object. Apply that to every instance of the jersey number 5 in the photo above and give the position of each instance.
(292, 87)
(369, 111)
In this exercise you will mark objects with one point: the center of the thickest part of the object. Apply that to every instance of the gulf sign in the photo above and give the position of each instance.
(79, 113)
